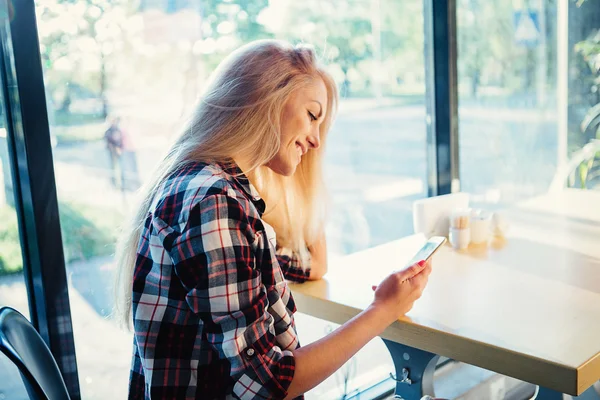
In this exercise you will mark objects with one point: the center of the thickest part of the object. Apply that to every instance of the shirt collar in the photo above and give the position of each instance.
(238, 176)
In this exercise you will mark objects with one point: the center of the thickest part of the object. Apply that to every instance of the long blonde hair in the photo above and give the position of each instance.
(238, 117)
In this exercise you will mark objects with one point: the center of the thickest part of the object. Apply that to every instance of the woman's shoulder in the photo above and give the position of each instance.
(188, 186)
(201, 179)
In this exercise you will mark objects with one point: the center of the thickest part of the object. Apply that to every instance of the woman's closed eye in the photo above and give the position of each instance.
(312, 116)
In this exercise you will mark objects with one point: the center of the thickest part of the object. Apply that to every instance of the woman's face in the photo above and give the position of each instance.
(301, 119)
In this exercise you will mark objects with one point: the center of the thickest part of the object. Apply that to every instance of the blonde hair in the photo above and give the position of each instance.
(238, 117)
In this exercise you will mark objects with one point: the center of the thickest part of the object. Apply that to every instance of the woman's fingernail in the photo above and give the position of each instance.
(373, 287)
(421, 263)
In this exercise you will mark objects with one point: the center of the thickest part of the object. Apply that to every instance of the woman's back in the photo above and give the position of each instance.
(212, 313)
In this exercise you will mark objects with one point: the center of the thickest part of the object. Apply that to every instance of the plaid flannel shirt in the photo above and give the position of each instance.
(212, 312)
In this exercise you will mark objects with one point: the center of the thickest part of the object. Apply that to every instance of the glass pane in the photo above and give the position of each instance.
(13, 292)
(520, 128)
(11, 384)
(507, 98)
(12, 284)
(139, 68)
(582, 169)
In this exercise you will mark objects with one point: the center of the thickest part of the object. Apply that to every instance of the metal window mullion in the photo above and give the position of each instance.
(37, 315)
(442, 96)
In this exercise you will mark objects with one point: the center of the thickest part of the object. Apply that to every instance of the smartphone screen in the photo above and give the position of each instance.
(428, 249)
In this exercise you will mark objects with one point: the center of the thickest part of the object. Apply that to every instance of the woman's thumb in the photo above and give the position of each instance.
(413, 270)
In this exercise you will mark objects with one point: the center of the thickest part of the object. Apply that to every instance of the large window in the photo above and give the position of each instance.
(528, 80)
(138, 67)
(12, 283)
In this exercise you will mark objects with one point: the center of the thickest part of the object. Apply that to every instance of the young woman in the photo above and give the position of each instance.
(202, 273)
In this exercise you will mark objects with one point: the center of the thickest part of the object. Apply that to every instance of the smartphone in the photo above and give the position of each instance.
(428, 249)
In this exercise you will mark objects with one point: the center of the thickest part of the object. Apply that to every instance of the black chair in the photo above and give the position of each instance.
(23, 345)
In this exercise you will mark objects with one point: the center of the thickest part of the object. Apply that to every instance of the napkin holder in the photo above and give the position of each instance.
(430, 215)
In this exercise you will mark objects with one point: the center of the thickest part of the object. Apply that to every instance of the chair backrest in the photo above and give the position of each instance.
(27, 350)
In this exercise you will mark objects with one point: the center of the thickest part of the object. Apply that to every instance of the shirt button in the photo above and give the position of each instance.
(250, 352)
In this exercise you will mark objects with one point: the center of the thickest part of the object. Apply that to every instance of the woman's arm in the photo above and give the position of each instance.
(215, 262)
(318, 254)
(393, 298)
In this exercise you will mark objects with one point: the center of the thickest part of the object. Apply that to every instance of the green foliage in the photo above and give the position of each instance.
(70, 119)
(10, 249)
(586, 174)
(589, 49)
(87, 232)
(589, 53)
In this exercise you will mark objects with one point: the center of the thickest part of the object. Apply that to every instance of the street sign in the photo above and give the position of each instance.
(527, 28)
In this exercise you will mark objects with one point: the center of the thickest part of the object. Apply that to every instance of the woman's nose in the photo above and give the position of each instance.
(314, 140)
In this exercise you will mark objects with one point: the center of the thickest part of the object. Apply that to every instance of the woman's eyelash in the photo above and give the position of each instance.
(312, 116)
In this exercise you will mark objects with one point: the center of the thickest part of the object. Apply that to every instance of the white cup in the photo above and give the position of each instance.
(459, 238)
(499, 224)
(480, 228)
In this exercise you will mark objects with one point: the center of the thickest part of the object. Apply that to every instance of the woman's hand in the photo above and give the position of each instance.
(397, 293)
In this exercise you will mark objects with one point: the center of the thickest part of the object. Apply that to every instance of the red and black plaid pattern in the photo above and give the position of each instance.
(212, 313)
(290, 265)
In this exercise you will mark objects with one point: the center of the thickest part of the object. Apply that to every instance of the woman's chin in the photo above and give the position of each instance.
(285, 170)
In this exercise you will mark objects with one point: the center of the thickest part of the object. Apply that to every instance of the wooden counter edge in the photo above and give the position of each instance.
(589, 373)
(552, 375)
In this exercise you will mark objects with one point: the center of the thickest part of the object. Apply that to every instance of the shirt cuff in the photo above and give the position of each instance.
(269, 374)
(292, 266)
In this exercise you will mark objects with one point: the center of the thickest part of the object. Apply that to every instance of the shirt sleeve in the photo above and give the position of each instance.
(292, 266)
(215, 260)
